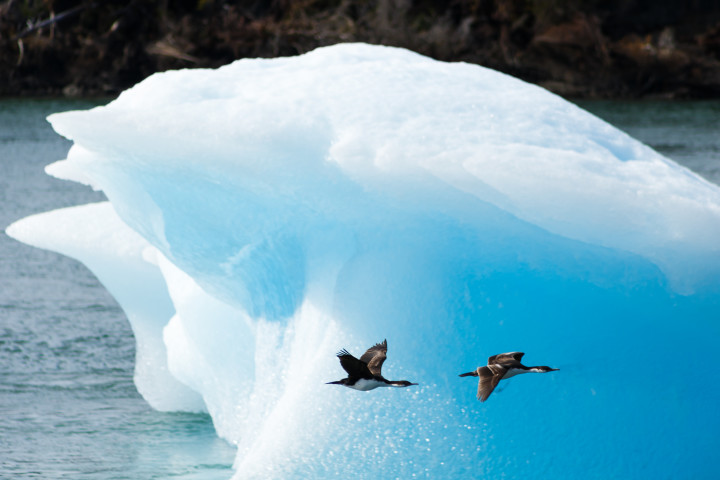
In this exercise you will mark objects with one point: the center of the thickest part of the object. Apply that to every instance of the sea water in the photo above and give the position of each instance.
(69, 407)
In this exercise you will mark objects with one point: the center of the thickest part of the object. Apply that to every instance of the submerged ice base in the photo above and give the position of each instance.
(268, 213)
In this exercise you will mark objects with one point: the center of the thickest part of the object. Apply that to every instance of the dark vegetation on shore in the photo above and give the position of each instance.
(577, 48)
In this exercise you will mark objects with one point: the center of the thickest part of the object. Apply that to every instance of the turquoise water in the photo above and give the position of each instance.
(68, 403)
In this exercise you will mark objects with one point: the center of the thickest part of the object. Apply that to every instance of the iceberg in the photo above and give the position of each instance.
(268, 213)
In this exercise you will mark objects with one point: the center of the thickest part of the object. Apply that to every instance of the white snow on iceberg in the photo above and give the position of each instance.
(279, 210)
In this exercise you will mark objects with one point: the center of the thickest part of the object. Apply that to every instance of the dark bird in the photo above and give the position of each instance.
(501, 367)
(364, 374)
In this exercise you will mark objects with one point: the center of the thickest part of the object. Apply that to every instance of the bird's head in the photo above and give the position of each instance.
(545, 369)
(402, 383)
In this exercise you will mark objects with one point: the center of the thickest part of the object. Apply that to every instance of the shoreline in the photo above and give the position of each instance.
(621, 50)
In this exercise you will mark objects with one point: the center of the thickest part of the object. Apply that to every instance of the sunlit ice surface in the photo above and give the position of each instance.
(268, 213)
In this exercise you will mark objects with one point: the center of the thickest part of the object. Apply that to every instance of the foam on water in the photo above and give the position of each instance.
(271, 212)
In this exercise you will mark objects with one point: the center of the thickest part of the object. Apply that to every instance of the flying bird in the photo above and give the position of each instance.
(364, 374)
(501, 367)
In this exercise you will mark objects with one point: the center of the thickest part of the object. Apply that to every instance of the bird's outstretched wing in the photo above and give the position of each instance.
(489, 377)
(375, 357)
(505, 358)
(355, 368)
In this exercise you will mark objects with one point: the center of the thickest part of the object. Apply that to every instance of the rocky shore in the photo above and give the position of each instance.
(577, 48)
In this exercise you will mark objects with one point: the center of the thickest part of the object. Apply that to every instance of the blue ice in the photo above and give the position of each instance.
(268, 213)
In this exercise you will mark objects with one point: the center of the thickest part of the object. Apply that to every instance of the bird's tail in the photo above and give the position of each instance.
(339, 382)
(469, 374)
